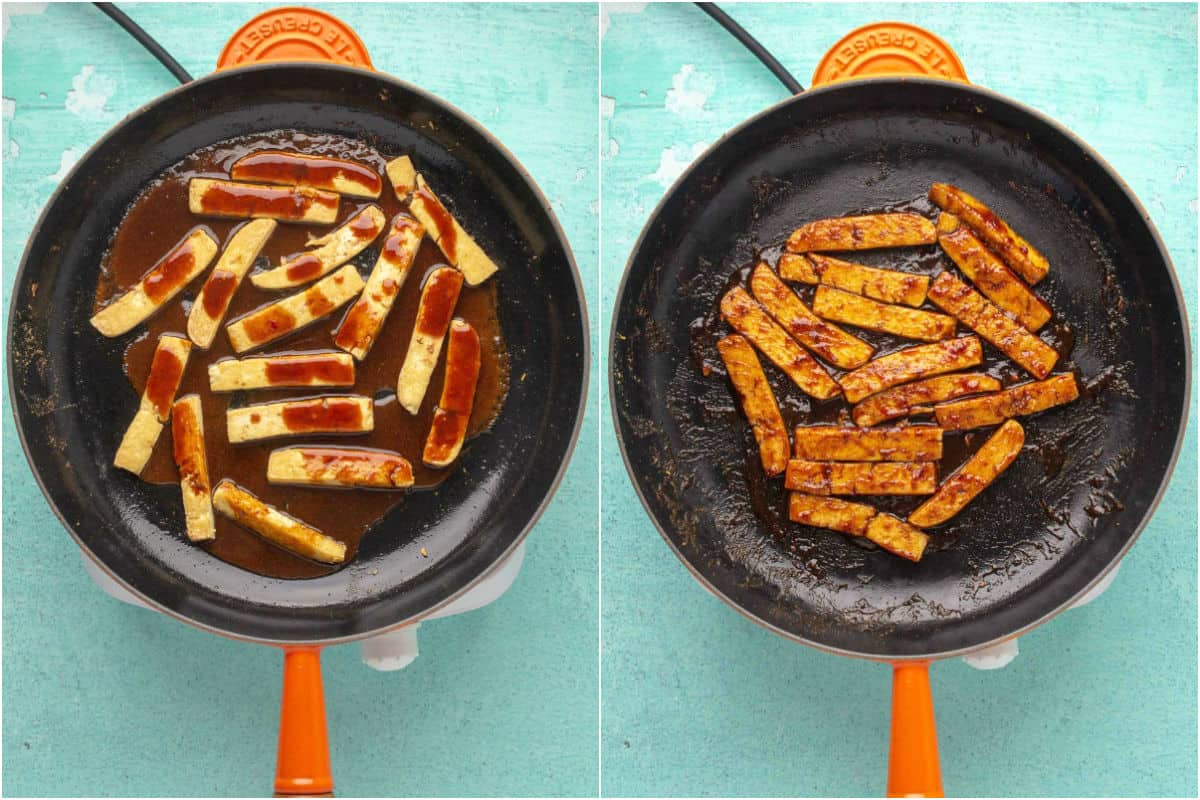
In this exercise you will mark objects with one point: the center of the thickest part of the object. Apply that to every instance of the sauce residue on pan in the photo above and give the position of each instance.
(156, 221)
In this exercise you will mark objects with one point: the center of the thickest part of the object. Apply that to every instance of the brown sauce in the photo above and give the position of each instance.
(349, 465)
(447, 430)
(269, 323)
(304, 268)
(165, 371)
(363, 227)
(438, 298)
(447, 235)
(169, 273)
(305, 370)
(234, 200)
(217, 291)
(324, 414)
(462, 367)
(282, 167)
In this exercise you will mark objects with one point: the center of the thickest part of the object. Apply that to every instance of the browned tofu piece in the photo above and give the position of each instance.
(1016, 401)
(1020, 254)
(997, 282)
(215, 198)
(886, 285)
(187, 435)
(798, 269)
(904, 400)
(988, 462)
(830, 513)
(448, 430)
(283, 317)
(275, 526)
(345, 467)
(316, 172)
(897, 537)
(749, 319)
(980, 315)
(758, 402)
(863, 312)
(166, 372)
(439, 295)
(828, 341)
(862, 233)
(910, 364)
(861, 477)
(834, 443)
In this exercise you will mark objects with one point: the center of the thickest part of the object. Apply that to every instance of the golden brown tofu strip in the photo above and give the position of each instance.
(830, 513)
(828, 341)
(897, 537)
(995, 456)
(283, 317)
(980, 315)
(448, 430)
(886, 285)
(861, 477)
(997, 282)
(904, 400)
(1020, 254)
(863, 312)
(1016, 401)
(834, 443)
(911, 363)
(339, 467)
(328, 252)
(215, 198)
(798, 269)
(316, 172)
(862, 233)
(749, 319)
(187, 434)
(275, 526)
(758, 402)
(166, 371)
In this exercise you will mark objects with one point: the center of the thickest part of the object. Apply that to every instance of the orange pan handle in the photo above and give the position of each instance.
(913, 767)
(294, 34)
(303, 763)
(891, 49)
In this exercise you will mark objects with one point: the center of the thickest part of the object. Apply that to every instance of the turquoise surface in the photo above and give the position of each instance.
(700, 701)
(101, 698)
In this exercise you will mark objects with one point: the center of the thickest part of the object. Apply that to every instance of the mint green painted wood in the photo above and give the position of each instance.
(698, 700)
(101, 698)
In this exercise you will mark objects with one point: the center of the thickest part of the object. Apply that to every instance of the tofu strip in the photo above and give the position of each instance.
(861, 477)
(166, 371)
(316, 172)
(825, 340)
(365, 319)
(997, 282)
(217, 292)
(278, 319)
(403, 177)
(897, 537)
(438, 298)
(910, 364)
(208, 197)
(834, 443)
(187, 434)
(332, 250)
(862, 233)
(343, 414)
(276, 527)
(902, 400)
(885, 285)
(758, 402)
(339, 467)
(1020, 254)
(890, 533)
(988, 462)
(1016, 401)
(863, 312)
(176, 269)
(749, 319)
(283, 371)
(448, 430)
(980, 315)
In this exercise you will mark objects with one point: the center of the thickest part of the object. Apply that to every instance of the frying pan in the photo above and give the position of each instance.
(68, 390)
(1030, 545)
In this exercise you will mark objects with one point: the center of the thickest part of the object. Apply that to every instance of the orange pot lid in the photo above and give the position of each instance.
(888, 49)
(294, 34)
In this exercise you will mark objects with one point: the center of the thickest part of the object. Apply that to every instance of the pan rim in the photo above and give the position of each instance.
(1177, 292)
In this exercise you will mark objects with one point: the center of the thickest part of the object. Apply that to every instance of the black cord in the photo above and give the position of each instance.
(133, 29)
(753, 45)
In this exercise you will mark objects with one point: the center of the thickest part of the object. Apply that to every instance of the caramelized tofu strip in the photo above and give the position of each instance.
(281, 371)
(1016, 401)
(449, 428)
(830, 513)
(438, 298)
(403, 177)
(332, 250)
(862, 233)
(1020, 254)
(828, 341)
(997, 282)
(316, 172)
(275, 526)
(208, 197)
(904, 400)
(276, 320)
(897, 537)
(215, 295)
(749, 319)
(187, 434)
(758, 402)
(342, 415)
(166, 371)
(365, 319)
(977, 313)
(910, 364)
(861, 477)
(834, 443)
(995, 456)
(176, 269)
(798, 269)
(339, 467)
(885, 285)
(863, 312)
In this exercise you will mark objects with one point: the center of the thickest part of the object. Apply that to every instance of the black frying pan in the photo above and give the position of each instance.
(1046, 531)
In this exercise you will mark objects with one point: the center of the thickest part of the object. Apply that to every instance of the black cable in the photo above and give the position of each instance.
(753, 45)
(146, 40)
